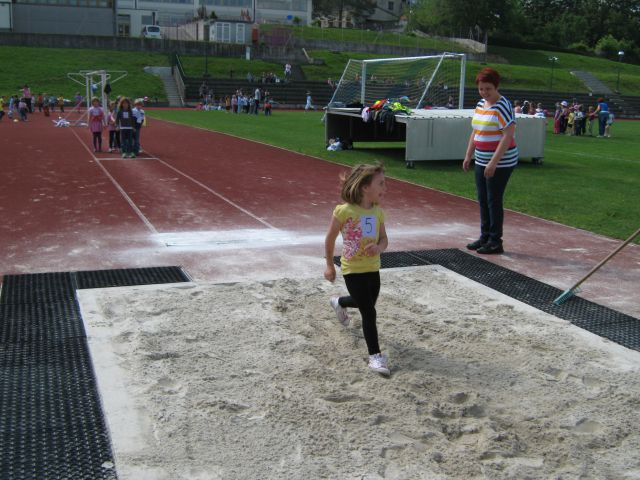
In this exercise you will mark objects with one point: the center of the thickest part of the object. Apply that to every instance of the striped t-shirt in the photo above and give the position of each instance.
(488, 124)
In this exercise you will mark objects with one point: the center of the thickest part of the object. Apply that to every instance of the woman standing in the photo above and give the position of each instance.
(602, 112)
(492, 145)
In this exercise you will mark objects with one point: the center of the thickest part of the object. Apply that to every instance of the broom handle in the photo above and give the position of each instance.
(594, 269)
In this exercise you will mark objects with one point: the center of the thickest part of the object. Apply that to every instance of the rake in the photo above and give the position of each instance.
(567, 294)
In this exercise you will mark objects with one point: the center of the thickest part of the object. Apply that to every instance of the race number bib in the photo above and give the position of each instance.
(368, 225)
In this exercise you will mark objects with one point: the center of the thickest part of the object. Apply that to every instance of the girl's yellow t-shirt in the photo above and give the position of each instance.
(359, 227)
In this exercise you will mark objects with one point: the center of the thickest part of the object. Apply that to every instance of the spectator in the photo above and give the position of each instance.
(26, 94)
(257, 95)
(517, 108)
(287, 72)
(591, 116)
(607, 128)
(138, 123)
(309, 104)
(96, 123)
(493, 149)
(602, 111)
(23, 109)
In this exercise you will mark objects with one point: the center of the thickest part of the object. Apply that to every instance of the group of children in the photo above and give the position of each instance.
(239, 103)
(19, 107)
(124, 121)
(573, 120)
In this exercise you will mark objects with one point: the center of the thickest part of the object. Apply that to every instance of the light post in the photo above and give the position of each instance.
(620, 55)
(553, 61)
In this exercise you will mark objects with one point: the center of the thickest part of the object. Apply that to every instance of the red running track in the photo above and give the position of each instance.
(229, 209)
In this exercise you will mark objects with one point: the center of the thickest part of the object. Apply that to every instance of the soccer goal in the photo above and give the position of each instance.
(432, 80)
(97, 83)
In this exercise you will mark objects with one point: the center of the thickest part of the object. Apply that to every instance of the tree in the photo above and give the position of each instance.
(447, 16)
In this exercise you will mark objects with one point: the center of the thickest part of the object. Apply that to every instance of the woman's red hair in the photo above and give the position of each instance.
(488, 75)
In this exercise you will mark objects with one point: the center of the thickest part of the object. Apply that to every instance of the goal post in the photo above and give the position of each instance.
(94, 83)
(431, 80)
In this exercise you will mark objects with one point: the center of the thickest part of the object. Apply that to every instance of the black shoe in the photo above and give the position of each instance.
(477, 244)
(490, 248)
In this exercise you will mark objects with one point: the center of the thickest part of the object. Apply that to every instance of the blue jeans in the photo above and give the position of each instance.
(490, 194)
(136, 140)
(126, 139)
(602, 122)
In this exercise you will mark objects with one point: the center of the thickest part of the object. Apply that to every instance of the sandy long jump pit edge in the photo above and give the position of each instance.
(258, 380)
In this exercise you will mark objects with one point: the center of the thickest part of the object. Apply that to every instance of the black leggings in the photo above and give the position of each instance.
(97, 140)
(363, 293)
(114, 139)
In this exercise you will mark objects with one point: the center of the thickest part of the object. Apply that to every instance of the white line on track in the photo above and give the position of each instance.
(148, 157)
(212, 191)
(135, 208)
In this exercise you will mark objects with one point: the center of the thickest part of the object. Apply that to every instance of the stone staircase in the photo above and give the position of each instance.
(173, 95)
(592, 83)
(600, 89)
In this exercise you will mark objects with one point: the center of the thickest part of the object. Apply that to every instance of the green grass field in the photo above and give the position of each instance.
(586, 182)
(45, 70)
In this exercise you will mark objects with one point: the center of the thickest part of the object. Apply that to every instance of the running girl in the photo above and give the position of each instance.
(96, 123)
(361, 222)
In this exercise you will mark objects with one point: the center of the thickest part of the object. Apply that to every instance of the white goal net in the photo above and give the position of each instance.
(428, 81)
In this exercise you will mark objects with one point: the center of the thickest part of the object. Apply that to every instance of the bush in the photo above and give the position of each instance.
(580, 47)
(608, 47)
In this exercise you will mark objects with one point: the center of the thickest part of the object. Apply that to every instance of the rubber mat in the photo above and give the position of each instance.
(37, 288)
(605, 322)
(52, 426)
(51, 420)
(40, 322)
(130, 276)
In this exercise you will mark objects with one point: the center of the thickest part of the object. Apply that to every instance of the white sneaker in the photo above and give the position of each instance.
(341, 313)
(379, 363)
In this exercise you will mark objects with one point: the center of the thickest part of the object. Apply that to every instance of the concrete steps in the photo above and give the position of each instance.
(592, 83)
(173, 95)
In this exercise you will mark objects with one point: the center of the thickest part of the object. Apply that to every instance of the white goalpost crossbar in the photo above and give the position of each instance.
(421, 81)
(88, 79)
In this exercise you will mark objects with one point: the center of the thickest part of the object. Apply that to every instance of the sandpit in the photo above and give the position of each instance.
(258, 380)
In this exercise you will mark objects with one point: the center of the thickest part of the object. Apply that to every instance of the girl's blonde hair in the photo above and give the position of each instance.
(361, 176)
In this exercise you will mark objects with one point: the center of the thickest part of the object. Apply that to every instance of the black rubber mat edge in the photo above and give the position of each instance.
(40, 322)
(603, 321)
(125, 277)
(52, 425)
(37, 288)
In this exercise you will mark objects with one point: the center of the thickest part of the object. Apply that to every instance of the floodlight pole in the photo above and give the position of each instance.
(620, 55)
(553, 61)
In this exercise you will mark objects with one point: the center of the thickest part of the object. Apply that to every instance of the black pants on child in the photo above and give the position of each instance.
(114, 139)
(363, 293)
(97, 141)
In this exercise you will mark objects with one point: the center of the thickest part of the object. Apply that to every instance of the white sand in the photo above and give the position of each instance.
(258, 380)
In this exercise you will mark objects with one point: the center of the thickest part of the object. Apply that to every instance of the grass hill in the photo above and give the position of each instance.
(45, 70)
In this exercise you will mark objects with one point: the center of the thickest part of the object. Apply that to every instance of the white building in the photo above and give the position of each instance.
(128, 17)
